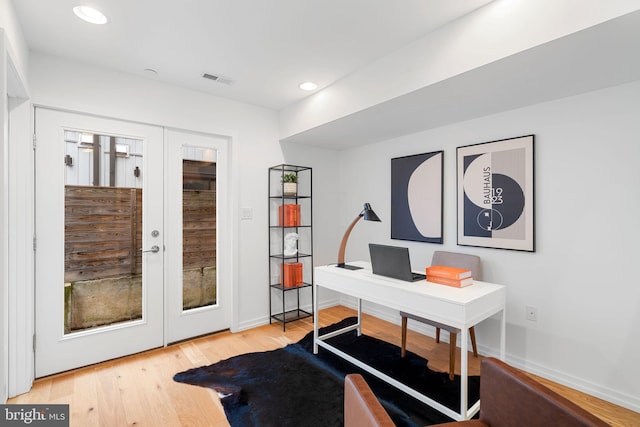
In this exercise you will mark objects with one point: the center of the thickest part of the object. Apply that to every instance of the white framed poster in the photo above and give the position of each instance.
(495, 194)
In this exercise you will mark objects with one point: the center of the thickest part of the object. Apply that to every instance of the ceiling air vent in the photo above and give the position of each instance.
(218, 79)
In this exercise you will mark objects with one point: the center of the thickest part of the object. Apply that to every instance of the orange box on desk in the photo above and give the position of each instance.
(289, 215)
(291, 274)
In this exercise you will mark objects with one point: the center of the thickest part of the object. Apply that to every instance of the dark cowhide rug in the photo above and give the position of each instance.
(293, 387)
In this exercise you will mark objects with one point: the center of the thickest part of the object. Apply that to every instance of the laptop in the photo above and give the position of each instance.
(392, 261)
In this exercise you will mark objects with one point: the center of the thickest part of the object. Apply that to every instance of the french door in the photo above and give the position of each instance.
(112, 222)
(197, 234)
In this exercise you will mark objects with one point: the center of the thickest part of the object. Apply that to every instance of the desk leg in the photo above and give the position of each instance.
(359, 316)
(464, 372)
(503, 335)
(315, 319)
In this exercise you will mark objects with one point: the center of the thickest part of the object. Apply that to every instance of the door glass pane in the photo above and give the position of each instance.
(199, 261)
(103, 230)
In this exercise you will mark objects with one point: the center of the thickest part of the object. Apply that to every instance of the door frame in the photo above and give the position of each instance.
(16, 256)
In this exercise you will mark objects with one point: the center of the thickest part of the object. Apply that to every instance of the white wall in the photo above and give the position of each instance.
(581, 277)
(16, 45)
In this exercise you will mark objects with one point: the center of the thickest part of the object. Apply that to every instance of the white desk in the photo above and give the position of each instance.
(457, 307)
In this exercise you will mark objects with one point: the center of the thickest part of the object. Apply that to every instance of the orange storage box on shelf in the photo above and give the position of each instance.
(291, 274)
(289, 215)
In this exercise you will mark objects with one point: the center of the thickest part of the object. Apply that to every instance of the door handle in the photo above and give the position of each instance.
(154, 249)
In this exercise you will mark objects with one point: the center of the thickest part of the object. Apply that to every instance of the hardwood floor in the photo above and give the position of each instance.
(139, 390)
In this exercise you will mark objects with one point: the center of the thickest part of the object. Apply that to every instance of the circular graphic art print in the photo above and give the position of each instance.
(493, 201)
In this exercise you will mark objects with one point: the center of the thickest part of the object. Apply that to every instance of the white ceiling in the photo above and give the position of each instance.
(266, 47)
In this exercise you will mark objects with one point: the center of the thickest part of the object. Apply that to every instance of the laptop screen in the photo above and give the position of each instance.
(392, 261)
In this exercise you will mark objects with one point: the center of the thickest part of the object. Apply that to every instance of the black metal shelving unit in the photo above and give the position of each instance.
(290, 301)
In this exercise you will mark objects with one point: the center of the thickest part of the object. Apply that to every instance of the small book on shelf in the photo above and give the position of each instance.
(447, 272)
(456, 283)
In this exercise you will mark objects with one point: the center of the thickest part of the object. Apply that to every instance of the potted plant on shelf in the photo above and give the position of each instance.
(290, 184)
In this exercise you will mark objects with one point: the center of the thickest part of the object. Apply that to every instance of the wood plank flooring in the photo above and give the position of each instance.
(138, 390)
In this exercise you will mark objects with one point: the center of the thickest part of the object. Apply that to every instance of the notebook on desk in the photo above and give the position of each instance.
(392, 261)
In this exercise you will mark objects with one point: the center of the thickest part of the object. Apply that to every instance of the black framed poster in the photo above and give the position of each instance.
(495, 194)
(416, 197)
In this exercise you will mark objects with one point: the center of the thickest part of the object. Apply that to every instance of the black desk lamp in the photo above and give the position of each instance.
(368, 215)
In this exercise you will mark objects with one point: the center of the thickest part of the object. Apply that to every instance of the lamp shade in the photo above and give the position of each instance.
(368, 215)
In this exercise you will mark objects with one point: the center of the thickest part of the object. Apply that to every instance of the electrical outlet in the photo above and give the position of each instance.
(532, 313)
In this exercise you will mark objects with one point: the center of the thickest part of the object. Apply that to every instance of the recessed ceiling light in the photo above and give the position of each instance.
(150, 71)
(308, 86)
(90, 14)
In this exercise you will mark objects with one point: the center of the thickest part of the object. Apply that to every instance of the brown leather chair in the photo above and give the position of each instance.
(452, 259)
(508, 397)
(361, 407)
